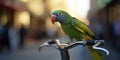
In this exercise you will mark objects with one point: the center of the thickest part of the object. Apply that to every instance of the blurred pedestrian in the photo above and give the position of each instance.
(1, 37)
(14, 38)
(116, 31)
(22, 32)
(5, 39)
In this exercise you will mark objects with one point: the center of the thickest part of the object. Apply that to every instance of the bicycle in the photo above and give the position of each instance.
(63, 48)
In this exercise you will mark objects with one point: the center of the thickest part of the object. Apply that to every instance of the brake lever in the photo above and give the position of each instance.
(99, 48)
(47, 44)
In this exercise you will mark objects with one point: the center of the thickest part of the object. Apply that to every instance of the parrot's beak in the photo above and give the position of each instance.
(53, 19)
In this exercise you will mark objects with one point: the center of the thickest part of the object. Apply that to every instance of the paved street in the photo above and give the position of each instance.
(30, 52)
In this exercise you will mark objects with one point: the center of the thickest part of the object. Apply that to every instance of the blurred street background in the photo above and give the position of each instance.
(25, 24)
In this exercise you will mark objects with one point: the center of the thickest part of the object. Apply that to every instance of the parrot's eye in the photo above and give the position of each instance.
(60, 13)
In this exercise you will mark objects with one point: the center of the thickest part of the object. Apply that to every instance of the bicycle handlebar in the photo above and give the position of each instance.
(93, 43)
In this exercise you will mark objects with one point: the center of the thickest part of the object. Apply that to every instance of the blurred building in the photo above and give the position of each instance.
(30, 13)
(113, 11)
(35, 14)
(104, 17)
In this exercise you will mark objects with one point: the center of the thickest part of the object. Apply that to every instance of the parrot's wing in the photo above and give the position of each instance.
(82, 27)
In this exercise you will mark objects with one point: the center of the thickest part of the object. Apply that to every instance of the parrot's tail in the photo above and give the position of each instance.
(96, 53)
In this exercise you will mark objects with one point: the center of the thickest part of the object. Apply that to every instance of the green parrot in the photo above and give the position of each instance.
(75, 29)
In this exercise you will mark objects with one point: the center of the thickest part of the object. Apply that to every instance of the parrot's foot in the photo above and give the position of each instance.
(84, 42)
(63, 45)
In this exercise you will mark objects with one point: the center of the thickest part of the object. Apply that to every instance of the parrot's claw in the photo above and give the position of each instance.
(60, 44)
(63, 45)
(84, 42)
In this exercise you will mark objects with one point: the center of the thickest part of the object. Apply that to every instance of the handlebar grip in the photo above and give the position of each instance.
(93, 42)
(90, 42)
(51, 42)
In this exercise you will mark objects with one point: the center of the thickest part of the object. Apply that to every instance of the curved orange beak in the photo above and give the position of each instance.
(53, 19)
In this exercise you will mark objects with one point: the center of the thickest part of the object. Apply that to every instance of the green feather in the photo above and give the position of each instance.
(82, 27)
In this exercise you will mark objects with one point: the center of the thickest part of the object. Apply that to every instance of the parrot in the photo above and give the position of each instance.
(75, 29)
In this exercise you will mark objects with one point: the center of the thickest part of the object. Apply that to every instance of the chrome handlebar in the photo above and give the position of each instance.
(94, 43)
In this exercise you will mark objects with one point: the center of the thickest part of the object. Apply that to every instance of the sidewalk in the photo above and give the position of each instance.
(30, 52)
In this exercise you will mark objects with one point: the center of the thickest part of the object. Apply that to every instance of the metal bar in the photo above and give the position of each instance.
(63, 48)
(64, 54)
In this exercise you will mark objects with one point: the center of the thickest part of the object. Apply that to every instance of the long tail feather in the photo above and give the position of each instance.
(96, 53)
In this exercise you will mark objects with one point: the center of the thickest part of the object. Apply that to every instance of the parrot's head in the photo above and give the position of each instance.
(60, 16)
